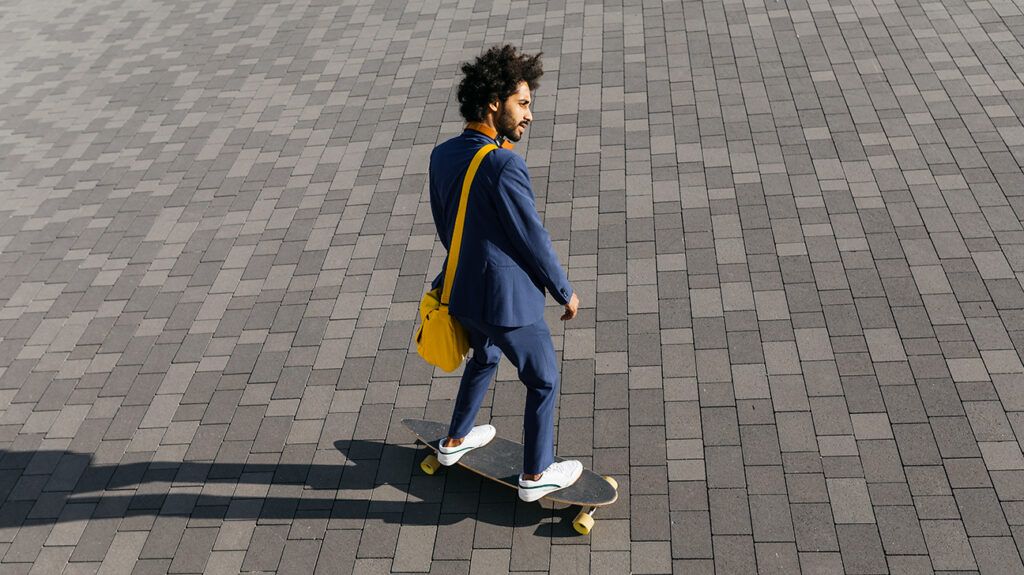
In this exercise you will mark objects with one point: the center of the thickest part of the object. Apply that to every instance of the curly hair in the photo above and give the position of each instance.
(495, 76)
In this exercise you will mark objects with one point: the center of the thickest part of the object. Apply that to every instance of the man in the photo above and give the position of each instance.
(505, 265)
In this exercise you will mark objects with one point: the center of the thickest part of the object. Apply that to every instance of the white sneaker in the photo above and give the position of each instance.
(557, 476)
(479, 436)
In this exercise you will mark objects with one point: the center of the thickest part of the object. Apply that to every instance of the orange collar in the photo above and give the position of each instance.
(489, 132)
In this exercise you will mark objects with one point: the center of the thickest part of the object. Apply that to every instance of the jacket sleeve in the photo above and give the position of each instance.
(517, 211)
(437, 210)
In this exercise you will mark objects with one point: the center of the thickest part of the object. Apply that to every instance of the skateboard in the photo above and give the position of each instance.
(501, 460)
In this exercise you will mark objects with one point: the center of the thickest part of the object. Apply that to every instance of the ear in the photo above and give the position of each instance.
(494, 106)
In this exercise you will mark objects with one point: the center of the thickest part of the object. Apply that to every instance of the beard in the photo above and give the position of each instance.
(507, 125)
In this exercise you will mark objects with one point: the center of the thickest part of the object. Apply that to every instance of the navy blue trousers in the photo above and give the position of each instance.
(530, 349)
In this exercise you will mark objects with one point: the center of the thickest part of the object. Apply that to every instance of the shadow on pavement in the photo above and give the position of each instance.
(47, 487)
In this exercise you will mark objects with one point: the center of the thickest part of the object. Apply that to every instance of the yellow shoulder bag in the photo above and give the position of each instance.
(441, 340)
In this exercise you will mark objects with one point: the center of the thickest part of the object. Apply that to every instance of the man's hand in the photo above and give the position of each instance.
(571, 308)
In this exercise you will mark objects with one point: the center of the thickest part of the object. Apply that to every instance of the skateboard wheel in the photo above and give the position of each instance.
(611, 480)
(430, 464)
(583, 523)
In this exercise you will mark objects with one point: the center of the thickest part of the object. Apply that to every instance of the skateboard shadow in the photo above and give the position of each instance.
(371, 481)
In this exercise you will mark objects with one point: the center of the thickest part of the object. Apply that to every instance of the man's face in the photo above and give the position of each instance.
(514, 114)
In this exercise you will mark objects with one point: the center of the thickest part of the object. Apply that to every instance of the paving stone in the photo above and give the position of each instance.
(300, 556)
(996, 554)
(900, 531)
(771, 518)
(531, 550)
(861, 549)
(657, 524)
(730, 513)
(881, 461)
(777, 558)
(736, 554)
(954, 437)
(194, 550)
(95, 540)
(850, 501)
(948, 545)
(651, 557)
(909, 564)
(691, 534)
(489, 561)
(916, 443)
(124, 552)
(813, 525)
(494, 532)
(337, 551)
(981, 513)
(265, 549)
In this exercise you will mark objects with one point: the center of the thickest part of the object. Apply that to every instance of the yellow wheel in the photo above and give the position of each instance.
(430, 464)
(611, 480)
(583, 523)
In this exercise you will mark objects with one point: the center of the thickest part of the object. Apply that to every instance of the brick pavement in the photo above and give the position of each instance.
(795, 228)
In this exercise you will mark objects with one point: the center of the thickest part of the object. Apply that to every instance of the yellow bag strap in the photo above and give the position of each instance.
(460, 220)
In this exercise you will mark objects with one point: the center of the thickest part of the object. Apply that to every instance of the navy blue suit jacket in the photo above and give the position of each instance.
(506, 261)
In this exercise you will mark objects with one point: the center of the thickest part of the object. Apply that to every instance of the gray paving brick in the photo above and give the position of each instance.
(995, 554)
(532, 551)
(777, 558)
(736, 556)
(651, 557)
(813, 526)
(300, 556)
(948, 545)
(770, 518)
(493, 533)
(730, 512)
(95, 540)
(909, 564)
(916, 443)
(691, 534)
(881, 461)
(655, 509)
(265, 549)
(719, 426)
(900, 531)
(338, 551)
(647, 446)
(861, 549)
(569, 558)
(194, 550)
(981, 513)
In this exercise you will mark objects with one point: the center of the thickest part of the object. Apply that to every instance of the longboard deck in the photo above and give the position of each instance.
(501, 460)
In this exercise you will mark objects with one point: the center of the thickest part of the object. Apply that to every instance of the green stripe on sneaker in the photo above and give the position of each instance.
(456, 451)
(521, 486)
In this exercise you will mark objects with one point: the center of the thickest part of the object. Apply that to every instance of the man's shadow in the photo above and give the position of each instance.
(48, 487)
